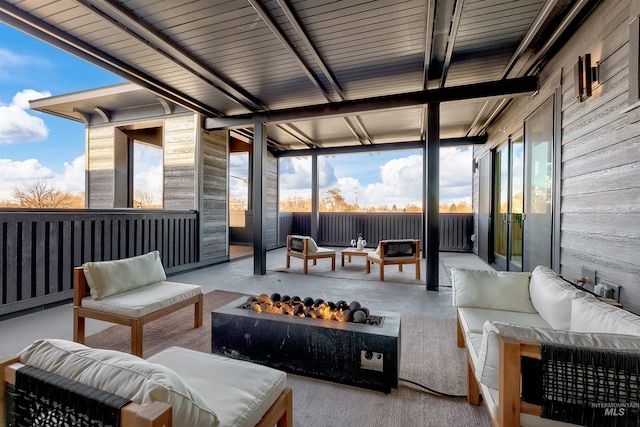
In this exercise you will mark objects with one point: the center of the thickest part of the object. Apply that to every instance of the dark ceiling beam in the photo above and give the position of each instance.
(276, 31)
(533, 62)
(391, 146)
(122, 18)
(522, 85)
(453, 35)
(29, 24)
(532, 32)
(428, 42)
(489, 107)
(306, 41)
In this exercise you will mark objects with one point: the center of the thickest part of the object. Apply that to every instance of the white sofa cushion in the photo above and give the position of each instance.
(106, 278)
(551, 296)
(142, 301)
(590, 315)
(123, 374)
(488, 357)
(498, 290)
(473, 319)
(243, 391)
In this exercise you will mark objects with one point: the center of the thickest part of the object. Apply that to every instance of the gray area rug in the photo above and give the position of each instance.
(429, 356)
(357, 270)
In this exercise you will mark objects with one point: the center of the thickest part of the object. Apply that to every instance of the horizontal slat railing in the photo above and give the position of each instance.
(337, 229)
(38, 249)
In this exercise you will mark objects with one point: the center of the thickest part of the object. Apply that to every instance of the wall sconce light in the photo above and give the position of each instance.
(584, 75)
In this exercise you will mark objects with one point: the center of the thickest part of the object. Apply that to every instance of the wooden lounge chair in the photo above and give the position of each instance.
(400, 252)
(305, 248)
(131, 292)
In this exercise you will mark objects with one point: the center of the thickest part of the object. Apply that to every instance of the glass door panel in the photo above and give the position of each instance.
(516, 207)
(508, 204)
(501, 206)
(538, 235)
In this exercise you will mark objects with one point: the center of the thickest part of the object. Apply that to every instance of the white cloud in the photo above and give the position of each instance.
(17, 125)
(10, 59)
(24, 174)
(399, 181)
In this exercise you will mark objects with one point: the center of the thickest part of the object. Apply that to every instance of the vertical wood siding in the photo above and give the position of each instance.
(179, 145)
(600, 185)
(214, 195)
(38, 250)
(272, 201)
(100, 164)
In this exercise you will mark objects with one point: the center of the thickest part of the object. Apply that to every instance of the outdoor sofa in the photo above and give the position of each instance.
(56, 382)
(542, 352)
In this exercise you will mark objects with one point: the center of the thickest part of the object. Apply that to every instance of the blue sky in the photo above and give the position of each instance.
(42, 147)
(35, 146)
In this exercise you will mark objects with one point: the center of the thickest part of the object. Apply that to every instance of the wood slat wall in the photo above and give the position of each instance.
(214, 195)
(600, 186)
(39, 249)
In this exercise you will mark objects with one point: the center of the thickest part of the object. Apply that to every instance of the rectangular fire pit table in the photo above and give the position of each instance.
(351, 252)
(355, 354)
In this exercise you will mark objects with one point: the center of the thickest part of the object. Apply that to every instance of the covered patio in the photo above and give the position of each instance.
(315, 399)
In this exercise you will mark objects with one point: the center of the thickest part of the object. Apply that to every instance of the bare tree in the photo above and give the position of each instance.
(42, 196)
(142, 199)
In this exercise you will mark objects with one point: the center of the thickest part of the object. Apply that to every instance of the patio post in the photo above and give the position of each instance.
(432, 173)
(315, 198)
(259, 198)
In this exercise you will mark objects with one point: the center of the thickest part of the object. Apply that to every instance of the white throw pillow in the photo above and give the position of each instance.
(487, 371)
(590, 315)
(106, 278)
(498, 290)
(552, 297)
(123, 374)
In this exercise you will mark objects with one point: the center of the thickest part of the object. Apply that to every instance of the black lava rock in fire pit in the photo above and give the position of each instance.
(314, 308)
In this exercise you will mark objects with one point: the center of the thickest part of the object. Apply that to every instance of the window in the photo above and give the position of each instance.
(147, 176)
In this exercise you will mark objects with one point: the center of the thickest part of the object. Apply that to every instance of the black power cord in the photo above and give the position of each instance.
(437, 393)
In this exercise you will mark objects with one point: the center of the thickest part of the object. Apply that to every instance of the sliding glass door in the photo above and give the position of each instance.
(538, 233)
(508, 204)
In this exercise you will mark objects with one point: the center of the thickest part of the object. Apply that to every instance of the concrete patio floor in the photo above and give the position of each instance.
(56, 322)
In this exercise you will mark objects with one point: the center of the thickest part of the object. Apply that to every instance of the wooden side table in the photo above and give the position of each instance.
(351, 252)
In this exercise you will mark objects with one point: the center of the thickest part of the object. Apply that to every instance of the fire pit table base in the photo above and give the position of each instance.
(360, 355)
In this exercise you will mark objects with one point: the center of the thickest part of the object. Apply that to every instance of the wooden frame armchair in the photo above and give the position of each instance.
(400, 252)
(131, 415)
(305, 248)
(136, 323)
(157, 414)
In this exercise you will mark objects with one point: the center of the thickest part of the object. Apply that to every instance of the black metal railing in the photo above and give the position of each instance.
(38, 249)
(337, 229)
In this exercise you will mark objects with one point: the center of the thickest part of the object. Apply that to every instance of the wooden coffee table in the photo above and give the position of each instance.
(351, 252)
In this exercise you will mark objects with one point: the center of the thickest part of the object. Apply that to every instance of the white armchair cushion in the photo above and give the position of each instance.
(488, 363)
(123, 374)
(590, 315)
(142, 301)
(498, 290)
(106, 278)
(551, 296)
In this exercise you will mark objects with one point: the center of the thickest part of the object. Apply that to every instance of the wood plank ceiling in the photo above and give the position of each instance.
(226, 58)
